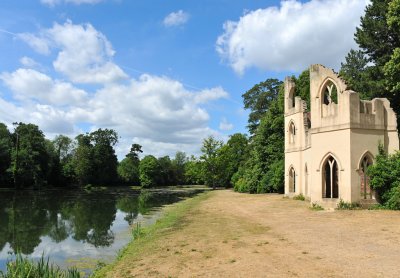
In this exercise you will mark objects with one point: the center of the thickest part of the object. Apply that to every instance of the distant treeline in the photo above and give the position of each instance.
(28, 159)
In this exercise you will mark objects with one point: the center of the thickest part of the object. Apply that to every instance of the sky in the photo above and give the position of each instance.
(163, 74)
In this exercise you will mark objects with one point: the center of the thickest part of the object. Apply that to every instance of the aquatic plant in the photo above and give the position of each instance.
(27, 268)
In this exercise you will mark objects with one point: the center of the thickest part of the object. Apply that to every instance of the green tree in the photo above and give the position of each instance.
(30, 158)
(178, 163)
(5, 155)
(104, 157)
(166, 173)
(355, 71)
(128, 168)
(258, 99)
(263, 170)
(378, 38)
(209, 157)
(149, 171)
(193, 171)
(303, 86)
(82, 161)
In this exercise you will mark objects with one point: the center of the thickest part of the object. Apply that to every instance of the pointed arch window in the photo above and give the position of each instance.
(292, 180)
(329, 93)
(292, 133)
(330, 178)
(366, 191)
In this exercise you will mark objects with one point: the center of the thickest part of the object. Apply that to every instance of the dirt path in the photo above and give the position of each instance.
(240, 235)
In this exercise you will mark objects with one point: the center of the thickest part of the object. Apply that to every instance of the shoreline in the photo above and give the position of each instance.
(171, 215)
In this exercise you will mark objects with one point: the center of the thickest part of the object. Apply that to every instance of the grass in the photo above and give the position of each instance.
(316, 207)
(299, 197)
(342, 205)
(172, 219)
(27, 268)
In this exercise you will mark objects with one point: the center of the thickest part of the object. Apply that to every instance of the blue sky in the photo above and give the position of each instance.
(164, 74)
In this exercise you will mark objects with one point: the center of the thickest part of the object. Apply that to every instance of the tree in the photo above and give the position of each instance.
(104, 157)
(5, 155)
(128, 168)
(378, 37)
(210, 166)
(29, 156)
(149, 171)
(178, 163)
(83, 160)
(263, 170)
(193, 171)
(303, 86)
(166, 175)
(355, 71)
(257, 100)
(229, 157)
(392, 67)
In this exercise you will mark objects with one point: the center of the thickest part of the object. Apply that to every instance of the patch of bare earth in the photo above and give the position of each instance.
(240, 235)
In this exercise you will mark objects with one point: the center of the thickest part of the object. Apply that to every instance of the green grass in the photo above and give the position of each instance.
(22, 267)
(342, 205)
(172, 219)
(299, 197)
(316, 207)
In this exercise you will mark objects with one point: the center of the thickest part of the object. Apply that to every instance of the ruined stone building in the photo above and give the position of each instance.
(329, 147)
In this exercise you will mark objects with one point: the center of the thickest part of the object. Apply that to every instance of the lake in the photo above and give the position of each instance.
(76, 227)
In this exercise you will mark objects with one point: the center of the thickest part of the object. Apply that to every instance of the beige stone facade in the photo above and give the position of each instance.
(329, 147)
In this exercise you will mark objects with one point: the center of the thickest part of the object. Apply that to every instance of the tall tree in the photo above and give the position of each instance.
(210, 160)
(29, 156)
(378, 38)
(104, 157)
(128, 168)
(5, 155)
(149, 171)
(179, 163)
(257, 100)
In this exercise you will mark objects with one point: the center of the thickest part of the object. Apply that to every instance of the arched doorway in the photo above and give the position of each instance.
(292, 180)
(330, 178)
(366, 191)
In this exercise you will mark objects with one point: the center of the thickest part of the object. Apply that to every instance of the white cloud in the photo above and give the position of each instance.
(29, 62)
(85, 54)
(225, 125)
(29, 84)
(176, 18)
(292, 36)
(156, 111)
(52, 3)
(39, 44)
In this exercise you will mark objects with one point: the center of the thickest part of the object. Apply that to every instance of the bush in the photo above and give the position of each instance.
(385, 179)
(299, 197)
(342, 205)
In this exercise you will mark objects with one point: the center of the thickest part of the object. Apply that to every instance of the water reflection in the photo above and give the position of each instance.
(37, 222)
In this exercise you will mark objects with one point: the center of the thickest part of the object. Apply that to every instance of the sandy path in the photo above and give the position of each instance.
(240, 235)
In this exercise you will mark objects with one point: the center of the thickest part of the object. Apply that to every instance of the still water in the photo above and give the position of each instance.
(75, 227)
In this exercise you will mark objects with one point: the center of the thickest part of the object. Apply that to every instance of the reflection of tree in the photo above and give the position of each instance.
(91, 218)
(27, 221)
(128, 205)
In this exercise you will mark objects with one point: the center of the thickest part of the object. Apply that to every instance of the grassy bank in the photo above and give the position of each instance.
(145, 238)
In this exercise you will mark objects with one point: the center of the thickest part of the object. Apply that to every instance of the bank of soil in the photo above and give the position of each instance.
(239, 235)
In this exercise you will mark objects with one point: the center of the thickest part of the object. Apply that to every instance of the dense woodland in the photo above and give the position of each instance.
(253, 163)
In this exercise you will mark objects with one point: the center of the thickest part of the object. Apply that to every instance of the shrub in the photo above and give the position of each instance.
(385, 178)
(299, 197)
(316, 206)
(342, 205)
